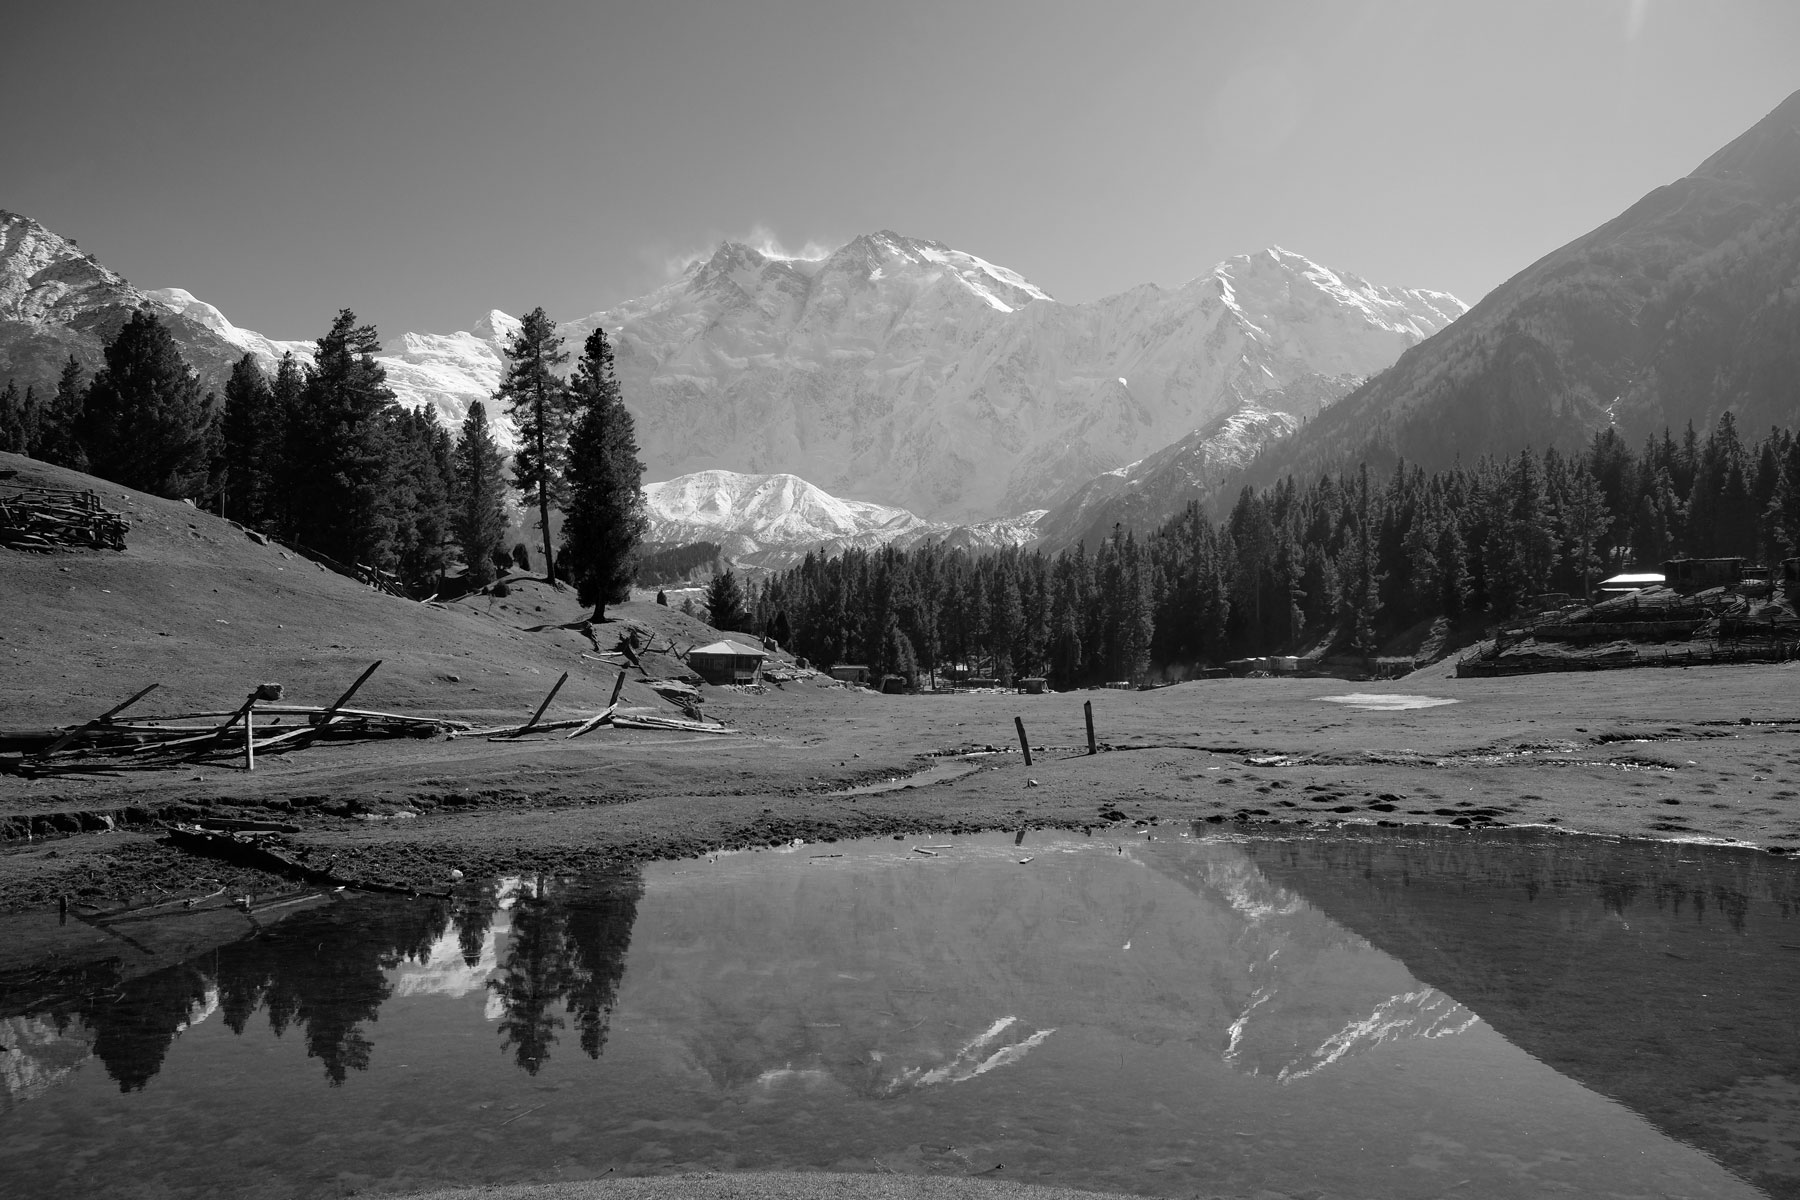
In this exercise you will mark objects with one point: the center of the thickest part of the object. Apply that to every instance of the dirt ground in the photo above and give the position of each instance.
(207, 610)
(1703, 753)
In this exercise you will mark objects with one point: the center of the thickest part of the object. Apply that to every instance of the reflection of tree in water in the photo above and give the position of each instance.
(472, 909)
(133, 1031)
(322, 970)
(567, 943)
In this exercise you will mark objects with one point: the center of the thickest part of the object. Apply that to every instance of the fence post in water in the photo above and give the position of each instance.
(1087, 710)
(1024, 745)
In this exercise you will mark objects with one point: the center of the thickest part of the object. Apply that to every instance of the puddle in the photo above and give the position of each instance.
(1387, 702)
(939, 772)
(1367, 1013)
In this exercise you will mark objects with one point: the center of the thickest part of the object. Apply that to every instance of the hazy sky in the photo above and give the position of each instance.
(422, 163)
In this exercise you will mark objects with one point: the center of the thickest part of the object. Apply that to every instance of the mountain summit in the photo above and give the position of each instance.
(900, 371)
(893, 370)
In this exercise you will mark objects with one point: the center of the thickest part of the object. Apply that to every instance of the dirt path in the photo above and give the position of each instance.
(1711, 752)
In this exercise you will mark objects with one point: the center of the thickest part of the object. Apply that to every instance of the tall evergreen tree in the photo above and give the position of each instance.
(725, 602)
(340, 472)
(280, 452)
(1586, 522)
(479, 522)
(145, 420)
(538, 402)
(59, 421)
(245, 429)
(18, 420)
(604, 518)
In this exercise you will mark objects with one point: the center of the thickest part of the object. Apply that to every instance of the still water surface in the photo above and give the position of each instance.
(1376, 1014)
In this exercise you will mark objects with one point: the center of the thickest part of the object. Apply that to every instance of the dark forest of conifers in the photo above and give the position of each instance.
(1341, 564)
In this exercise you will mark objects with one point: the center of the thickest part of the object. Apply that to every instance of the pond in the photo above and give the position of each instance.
(1361, 1012)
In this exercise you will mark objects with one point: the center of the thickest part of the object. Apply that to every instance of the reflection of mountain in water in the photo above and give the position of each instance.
(1626, 966)
(1310, 993)
(896, 973)
(36, 1054)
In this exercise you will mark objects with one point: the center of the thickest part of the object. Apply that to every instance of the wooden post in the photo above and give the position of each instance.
(331, 714)
(250, 733)
(606, 714)
(1023, 744)
(1087, 710)
(526, 728)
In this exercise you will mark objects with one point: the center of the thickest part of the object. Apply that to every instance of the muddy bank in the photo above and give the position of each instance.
(1707, 753)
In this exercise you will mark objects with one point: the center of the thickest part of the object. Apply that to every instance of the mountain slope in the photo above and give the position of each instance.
(1683, 306)
(56, 301)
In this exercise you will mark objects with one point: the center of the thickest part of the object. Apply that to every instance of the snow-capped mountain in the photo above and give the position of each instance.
(773, 520)
(443, 371)
(894, 370)
(898, 371)
(57, 300)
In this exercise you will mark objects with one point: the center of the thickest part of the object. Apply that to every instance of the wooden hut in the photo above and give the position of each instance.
(727, 662)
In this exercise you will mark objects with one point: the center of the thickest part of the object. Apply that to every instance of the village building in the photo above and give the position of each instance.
(851, 673)
(1698, 574)
(727, 662)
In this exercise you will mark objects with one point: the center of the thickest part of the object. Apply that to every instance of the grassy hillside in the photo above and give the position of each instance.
(196, 604)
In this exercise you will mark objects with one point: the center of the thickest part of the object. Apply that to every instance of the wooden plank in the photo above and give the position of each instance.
(99, 720)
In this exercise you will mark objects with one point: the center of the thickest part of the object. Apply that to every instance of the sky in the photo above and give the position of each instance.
(423, 163)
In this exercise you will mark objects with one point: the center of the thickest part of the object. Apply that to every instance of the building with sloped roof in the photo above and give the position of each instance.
(727, 662)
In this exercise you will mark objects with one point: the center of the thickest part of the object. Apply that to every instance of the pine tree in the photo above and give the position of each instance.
(479, 522)
(59, 421)
(18, 420)
(280, 450)
(604, 518)
(339, 467)
(245, 429)
(538, 402)
(1586, 522)
(725, 602)
(423, 470)
(1783, 514)
(144, 421)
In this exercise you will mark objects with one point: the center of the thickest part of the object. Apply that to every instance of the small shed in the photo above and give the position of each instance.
(1698, 574)
(727, 662)
(851, 673)
(1034, 685)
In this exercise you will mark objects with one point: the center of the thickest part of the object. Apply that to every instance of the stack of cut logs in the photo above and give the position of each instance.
(35, 518)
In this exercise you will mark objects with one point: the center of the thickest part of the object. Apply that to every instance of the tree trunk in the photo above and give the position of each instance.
(544, 495)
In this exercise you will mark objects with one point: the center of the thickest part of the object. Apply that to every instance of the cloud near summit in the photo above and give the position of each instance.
(760, 238)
